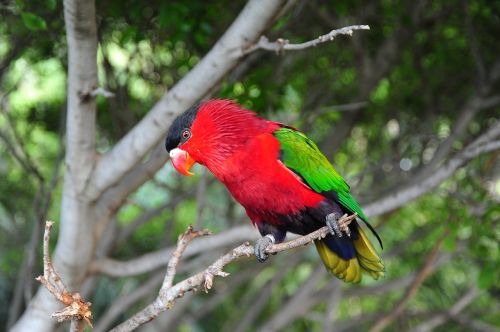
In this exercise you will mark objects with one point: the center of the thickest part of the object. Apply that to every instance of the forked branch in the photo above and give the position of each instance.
(170, 292)
(77, 309)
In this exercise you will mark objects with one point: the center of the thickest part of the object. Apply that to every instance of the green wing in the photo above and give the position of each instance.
(302, 156)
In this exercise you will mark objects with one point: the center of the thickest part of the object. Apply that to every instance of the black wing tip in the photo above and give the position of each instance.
(374, 232)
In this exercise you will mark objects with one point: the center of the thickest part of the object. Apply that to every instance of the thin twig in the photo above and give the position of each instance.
(281, 44)
(204, 279)
(182, 243)
(77, 309)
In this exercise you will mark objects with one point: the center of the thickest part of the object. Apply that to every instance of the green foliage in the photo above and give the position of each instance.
(412, 72)
(33, 22)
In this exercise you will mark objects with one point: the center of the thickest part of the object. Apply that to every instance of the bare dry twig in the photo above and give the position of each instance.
(77, 309)
(281, 44)
(182, 244)
(204, 279)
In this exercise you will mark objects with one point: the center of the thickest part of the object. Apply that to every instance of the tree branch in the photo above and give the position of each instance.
(204, 279)
(474, 324)
(296, 304)
(424, 272)
(122, 303)
(254, 306)
(454, 311)
(18, 153)
(491, 101)
(77, 309)
(182, 243)
(77, 216)
(482, 144)
(82, 79)
(154, 260)
(332, 306)
(226, 53)
(473, 44)
(281, 44)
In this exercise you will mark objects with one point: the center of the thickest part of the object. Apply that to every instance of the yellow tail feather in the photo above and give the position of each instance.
(346, 270)
(366, 260)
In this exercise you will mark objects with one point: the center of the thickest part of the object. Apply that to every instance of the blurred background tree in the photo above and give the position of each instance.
(407, 112)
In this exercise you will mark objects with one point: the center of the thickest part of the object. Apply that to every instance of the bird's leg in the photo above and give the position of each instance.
(338, 224)
(261, 246)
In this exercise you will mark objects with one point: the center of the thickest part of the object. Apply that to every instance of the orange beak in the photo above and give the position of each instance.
(182, 161)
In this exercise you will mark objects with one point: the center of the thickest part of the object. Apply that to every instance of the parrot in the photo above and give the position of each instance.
(282, 180)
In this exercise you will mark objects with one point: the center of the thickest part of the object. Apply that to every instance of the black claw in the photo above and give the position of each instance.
(260, 248)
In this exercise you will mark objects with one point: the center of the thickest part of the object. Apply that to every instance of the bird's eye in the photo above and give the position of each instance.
(186, 134)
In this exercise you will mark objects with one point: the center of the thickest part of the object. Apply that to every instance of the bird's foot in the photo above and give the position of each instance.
(338, 224)
(261, 246)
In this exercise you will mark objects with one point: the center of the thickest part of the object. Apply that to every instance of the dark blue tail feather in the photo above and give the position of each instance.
(342, 246)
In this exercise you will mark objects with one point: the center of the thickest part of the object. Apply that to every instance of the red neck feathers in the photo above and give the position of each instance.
(221, 129)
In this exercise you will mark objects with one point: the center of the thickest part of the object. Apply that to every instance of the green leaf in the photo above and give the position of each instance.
(487, 277)
(450, 243)
(51, 4)
(33, 22)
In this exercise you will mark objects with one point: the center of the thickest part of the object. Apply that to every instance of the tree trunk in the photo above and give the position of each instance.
(85, 210)
(76, 242)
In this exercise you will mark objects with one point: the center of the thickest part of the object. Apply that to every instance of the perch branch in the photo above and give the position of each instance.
(281, 44)
(309, 238)
(182, 244)
(204, 279)
(77, 309)
(485, 143)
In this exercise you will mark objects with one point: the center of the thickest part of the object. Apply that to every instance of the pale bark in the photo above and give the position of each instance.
(281, 44)
(245, 30)
(156, 259)
(75, 245)
(125, 301)
(120, 171)
(148, 262)
(424, 272)
(297, 305)
(483, 144)
(454, 311)
(84, 181)
(169, 293)
(289, 313)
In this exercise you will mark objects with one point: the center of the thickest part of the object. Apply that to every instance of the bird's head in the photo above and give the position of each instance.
(209, 133)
